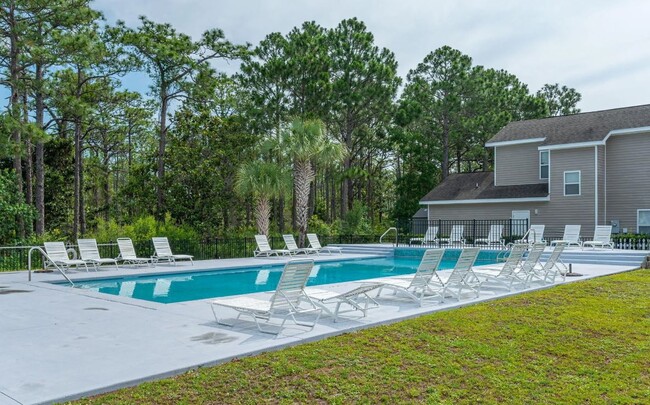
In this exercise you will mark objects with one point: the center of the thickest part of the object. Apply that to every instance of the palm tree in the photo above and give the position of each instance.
(263, 181)
(307, 144)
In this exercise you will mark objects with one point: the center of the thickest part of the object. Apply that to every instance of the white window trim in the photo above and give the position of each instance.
(579, 183)
(638, 227)
(547, 164)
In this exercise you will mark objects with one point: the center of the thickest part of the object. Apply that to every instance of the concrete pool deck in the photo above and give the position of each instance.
(59, 343)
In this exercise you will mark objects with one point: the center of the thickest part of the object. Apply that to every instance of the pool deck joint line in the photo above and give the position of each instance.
(59, 343)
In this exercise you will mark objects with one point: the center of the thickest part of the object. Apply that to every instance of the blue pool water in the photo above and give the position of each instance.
(172, 288)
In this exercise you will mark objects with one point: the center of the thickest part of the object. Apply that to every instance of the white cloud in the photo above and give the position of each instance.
(599, 47)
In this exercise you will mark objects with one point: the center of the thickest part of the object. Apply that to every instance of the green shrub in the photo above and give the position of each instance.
(11, 208)
(318, 226)
(143, 228)
(356, 221)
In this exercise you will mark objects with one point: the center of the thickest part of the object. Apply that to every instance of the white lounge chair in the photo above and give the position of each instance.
(315, 243)
(531, 260)
(571, 236)
(417, 287)
(127, 253)
(89, 252)
(462, 277)
(534, 235)
(430, 236)
(164, 251)
(494, 237)
(288, 300)
(264, 248)
(293, 248)
(357, 298)
(456, 236)
(551, 268)
(507, 273)
(58, 254)
(602, 237)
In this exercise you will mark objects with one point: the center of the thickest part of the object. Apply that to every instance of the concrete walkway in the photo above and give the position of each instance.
(59, 343)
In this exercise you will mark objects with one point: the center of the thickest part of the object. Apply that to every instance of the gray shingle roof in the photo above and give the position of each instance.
(480, 186)
(584, 127)
(421, 213)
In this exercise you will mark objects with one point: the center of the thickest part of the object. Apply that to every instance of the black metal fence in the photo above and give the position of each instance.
(472, 231)
(16, 257)
(409, 233)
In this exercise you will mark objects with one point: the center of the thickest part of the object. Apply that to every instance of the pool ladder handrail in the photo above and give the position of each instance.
(392, 228)
(29, 264)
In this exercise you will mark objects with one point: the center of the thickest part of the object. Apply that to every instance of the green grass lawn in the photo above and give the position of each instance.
(588, 342)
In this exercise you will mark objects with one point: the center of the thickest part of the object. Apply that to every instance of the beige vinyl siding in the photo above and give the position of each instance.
(628, 178)
(572, 210)
(517, 164)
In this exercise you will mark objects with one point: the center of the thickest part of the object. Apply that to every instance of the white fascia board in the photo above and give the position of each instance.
(571, 145)
(626, 131)
(516, 142)
(488, 201)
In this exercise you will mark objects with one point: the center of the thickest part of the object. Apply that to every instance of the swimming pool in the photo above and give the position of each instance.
(180, 287)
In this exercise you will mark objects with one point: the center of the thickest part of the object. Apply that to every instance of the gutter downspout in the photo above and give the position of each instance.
(596, 186)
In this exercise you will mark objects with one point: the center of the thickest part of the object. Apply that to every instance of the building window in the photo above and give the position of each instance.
(572, 183)
(543, 164)
(643, 221)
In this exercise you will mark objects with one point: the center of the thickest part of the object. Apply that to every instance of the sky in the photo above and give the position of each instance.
(598, 47)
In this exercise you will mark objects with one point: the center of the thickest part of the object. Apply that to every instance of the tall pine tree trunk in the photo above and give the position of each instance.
(107, 188)
(29, 150)
(346, 186)
(14, 107)
(162, 143)
(445, 148)
(76, 221)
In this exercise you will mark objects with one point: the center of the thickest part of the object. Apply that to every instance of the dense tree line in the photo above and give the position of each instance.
(316, 129)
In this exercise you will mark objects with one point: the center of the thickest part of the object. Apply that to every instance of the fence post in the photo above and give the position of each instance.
(474, 232)
(510, 227)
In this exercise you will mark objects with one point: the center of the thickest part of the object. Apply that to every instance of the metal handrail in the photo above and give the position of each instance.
(392, 228)
(531, 230)
(29, 264)
(501, 256)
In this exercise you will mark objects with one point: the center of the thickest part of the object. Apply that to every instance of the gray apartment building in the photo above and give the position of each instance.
(588, 169)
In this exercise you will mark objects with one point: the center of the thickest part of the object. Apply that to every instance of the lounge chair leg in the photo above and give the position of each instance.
(219, 321)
